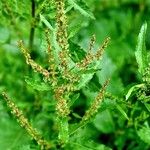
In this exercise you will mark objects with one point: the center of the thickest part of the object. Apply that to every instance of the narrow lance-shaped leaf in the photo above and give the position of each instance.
(132, 89)
(37, 85)
(82, 8)
(141, 55)
(43, 19)
(52, 36)
(144, 133)
(122, 111)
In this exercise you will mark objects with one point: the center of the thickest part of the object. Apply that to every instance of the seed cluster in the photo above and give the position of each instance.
(25, 123)
(62, 108)
(62, 36)
(90, 57)
(96, 104)
(31, 62)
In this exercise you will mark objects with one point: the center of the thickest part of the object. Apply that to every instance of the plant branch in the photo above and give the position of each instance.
(23, 121)
(32, 29)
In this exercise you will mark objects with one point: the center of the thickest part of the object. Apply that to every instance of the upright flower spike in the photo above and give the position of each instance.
(91, 57)
(33, 64)
(96, 104)
(62, 39)
(62, 108)
(102, 48)
(62, 36)
(25, 124)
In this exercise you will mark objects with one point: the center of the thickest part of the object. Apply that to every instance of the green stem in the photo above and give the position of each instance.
(63, 131)
(32, 29)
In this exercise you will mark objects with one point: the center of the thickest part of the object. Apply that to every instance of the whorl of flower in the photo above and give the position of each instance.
(63, 60)
(62, 107)
(70, 76)
(62, 36)
(89, 58)
(96, 104)
(31, 62)
(102, 48)
(23, 121)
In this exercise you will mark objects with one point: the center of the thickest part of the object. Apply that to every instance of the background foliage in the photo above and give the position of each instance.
(123, 119)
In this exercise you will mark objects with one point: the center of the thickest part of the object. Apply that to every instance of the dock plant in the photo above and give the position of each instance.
(64, 76)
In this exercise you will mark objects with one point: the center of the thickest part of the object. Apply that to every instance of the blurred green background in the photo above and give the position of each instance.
(119, 19)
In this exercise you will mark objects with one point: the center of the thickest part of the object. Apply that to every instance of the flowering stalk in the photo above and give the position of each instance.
(96, 104)
(91, 57)
(62, 36)
(102, 48)
(93, 109)
(62, 110)
(31, 62)
(62, 107)
(23, 121)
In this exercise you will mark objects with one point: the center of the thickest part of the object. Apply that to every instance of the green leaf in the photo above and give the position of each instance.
(107, 104)
(73, 30)
(37, 85)
(82, 8)
(4, 34)
(52, 37)
(24, 147)
(90, 70)
(144, 134)
(85, 78)
(88, 75)
(77, 53)
(76, 115)
(73, 98)
(11, 134)
(43, 19)
(147, 106)
(88, 145)
(104, 122)
(132, 89)
(122, 111)
(141, 54)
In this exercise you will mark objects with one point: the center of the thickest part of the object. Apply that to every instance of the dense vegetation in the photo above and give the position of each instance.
(74, 74)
